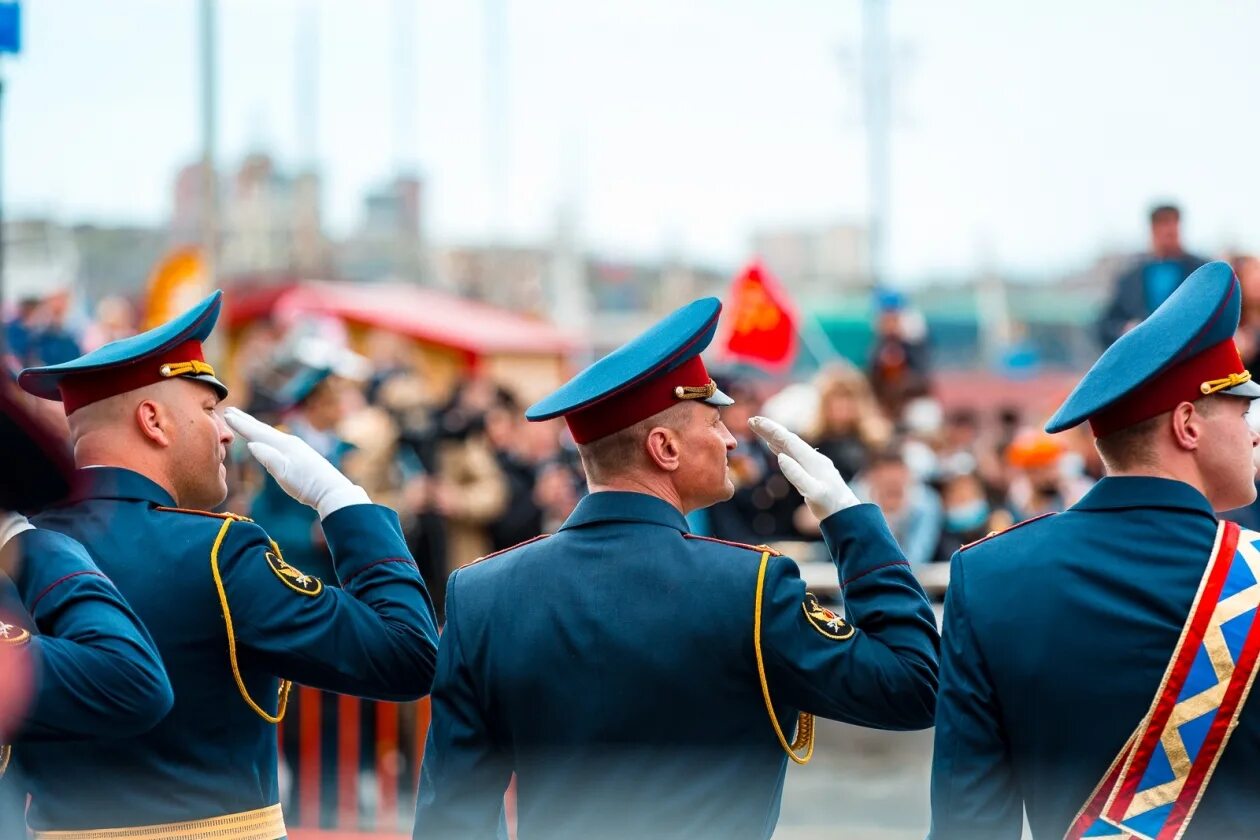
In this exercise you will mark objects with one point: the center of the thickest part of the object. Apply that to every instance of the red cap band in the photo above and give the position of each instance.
(1180, 383)
(638, 402)
(80, 389)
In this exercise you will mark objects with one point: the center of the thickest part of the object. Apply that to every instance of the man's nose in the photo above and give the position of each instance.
(226, 435)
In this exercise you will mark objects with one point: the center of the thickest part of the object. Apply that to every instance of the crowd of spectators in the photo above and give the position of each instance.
(469, 476)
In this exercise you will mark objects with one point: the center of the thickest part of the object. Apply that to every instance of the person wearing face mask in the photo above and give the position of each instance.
(1039, 482)
(968, 514)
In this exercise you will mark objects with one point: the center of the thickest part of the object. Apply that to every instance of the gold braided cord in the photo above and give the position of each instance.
(261, 824)
(1233, 380)
(285, 685)
(195, 367)
(804, 738)
(696, 392)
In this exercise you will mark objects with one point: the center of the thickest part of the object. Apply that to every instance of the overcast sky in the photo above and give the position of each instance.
(1030, 135)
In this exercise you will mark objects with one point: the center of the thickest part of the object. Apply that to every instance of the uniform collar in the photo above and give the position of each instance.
(620, 506)
(117, 483)
(1133, 491)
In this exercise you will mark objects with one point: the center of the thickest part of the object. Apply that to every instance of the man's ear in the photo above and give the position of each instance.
(663, 448)
(1187, 426)
(154, 422)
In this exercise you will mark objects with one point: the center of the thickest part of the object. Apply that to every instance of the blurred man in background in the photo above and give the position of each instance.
(912, 508)
(899, 366)
(1152, 279)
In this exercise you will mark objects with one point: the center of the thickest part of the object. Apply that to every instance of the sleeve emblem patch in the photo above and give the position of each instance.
(11, 634)
(292, 578)
(824, 620)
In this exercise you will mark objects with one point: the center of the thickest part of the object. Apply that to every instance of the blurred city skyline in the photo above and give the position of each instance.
(1032, 138)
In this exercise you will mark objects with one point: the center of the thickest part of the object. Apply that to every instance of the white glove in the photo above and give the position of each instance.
(810, 471)
(300, 470)
(12, 524)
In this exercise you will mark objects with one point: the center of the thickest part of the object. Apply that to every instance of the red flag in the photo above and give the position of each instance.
(760, 319)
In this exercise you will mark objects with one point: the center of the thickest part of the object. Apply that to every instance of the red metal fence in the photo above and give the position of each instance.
(376, 750)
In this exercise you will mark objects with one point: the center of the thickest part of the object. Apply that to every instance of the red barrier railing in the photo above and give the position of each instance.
(335, 725)
(357, 765)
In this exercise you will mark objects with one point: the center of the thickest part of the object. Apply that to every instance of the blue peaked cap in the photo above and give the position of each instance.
(302, 384)
(1182, 347)
(633, 378)
(111, 359)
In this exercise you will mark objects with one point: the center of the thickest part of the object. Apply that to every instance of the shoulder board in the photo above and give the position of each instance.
(506, 550)
(757, 548)
(993, 534)
(235, 517)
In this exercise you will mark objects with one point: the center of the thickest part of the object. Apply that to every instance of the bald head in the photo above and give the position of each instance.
(112, 417)
(169, 432)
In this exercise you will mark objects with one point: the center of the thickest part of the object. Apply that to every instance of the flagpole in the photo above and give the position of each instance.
(815, 339)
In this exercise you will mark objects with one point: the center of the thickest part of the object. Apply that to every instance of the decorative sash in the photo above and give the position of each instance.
(1152, 788)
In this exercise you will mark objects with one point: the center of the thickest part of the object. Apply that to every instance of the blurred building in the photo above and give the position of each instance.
(116, 260)
(390, 240)
(816, 260)
(269, 220)
(508, 276)
(40, 257)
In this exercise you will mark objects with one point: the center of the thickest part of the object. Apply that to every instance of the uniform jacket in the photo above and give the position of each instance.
(97, 673)
(214, 754)
(611, 668)
(1057, 634)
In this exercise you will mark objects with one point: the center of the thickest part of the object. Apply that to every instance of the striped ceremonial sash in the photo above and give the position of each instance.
(1153, 787)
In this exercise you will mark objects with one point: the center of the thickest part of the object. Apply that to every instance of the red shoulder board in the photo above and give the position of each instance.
(993, 534)
(235, 517)
(757, 548)
(509, 548)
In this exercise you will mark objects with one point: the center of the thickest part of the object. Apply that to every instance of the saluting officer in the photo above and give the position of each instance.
(640, 681)
(233, 622)
(1096, 662)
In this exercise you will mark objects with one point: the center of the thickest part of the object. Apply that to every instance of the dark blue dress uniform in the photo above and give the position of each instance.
(98, 674)
(1058, 631)
(231, 620)
(622, 668)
